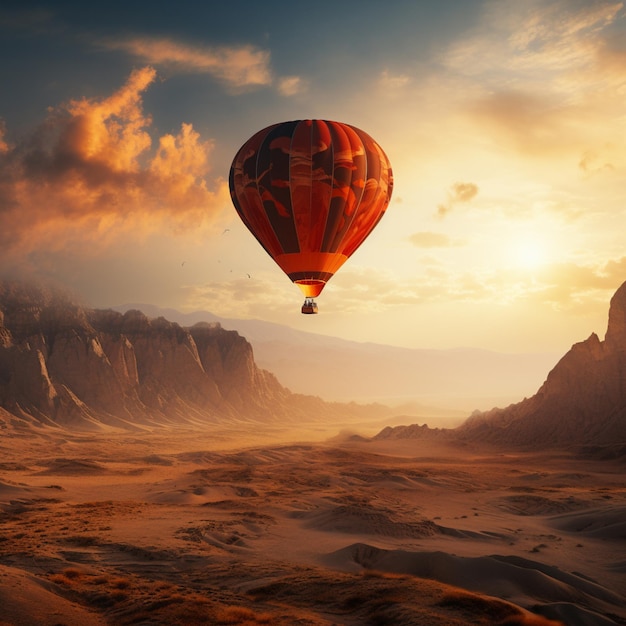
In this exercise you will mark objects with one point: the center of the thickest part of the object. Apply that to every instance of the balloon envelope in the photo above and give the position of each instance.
(310, 191)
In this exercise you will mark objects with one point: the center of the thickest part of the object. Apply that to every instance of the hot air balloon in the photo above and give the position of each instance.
(310, 191)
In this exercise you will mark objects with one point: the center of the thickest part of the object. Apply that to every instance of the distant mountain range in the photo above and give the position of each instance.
(581, 403)
(63, 365)
(435, 382)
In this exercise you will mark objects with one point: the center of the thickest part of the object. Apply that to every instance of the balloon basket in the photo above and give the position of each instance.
(309, 307)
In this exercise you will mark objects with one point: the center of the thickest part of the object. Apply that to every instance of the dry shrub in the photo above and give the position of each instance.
(99, 580)
(119, 596)
(67, 577)
(120, 583)
(492, 611)
(164, 586)
(61, 579)
(373, 573)
(532, 620)
(240, 615)
(83, 540)
(165, 601)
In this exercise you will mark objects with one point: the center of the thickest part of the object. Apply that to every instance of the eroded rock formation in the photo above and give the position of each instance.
(582, 401)
(66, 365)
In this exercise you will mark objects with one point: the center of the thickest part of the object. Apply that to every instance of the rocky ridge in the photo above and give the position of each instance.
(582, 401)
(62, 364)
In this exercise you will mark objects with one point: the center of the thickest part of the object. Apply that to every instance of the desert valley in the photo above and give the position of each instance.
(153, 474)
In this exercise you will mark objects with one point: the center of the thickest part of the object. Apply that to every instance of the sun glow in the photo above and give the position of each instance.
(528, 252)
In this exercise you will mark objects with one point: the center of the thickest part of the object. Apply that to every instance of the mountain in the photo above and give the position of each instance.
(62, 364)
(582, 401)
(454, 381)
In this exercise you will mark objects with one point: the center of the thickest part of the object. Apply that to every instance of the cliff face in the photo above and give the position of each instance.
(582, 401)
(65, 365)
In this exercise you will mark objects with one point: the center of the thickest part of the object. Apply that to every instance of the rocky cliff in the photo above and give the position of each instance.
(62, 364)
(582, 401)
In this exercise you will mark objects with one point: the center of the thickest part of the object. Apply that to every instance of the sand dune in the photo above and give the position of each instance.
(26, 600)
(77, 467)
(515, 579)
(190, 528)
(528, 504)
(601, 523)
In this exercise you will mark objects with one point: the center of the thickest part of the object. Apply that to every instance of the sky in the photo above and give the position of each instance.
(504, 121)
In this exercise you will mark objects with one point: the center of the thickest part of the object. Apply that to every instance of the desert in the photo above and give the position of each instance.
(181, 527)
(154, 474)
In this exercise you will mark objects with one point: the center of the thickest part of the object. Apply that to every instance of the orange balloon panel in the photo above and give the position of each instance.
(310, 191)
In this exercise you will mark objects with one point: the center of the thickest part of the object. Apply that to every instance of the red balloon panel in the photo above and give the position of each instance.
(311, 191)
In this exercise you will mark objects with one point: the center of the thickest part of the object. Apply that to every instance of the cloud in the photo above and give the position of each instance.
(563, 286)
(464, 192)
(243, 296)
(568, 286)
(561, 35)
(427, 239)
(594, 161)
(394, 82)
(458, 193)
(533, 123)
(291, 85)
(4, 146)
(543, 77)
(89, 176)
(524, 39)
(240, 66)
(611, 55)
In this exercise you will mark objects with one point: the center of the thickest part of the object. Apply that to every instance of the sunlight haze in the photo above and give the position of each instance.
(503, 121)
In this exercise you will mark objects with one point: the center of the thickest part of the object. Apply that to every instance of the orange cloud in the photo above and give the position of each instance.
(593, 161)
(426, 239)
(534, 124)
(291, 85)
(89, 175)
(4, 146)
(611, 55)
(535, 40)
(458, 193)
(241, 66)
(545, 78)
(241, 297)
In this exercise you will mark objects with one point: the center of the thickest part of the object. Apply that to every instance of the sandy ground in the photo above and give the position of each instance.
(207, 528)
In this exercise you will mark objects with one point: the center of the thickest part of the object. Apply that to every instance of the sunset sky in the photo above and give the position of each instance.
(504, 121)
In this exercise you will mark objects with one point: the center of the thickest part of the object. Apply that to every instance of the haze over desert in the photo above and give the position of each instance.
(176, 528)
(184, 527)
(130, 497)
